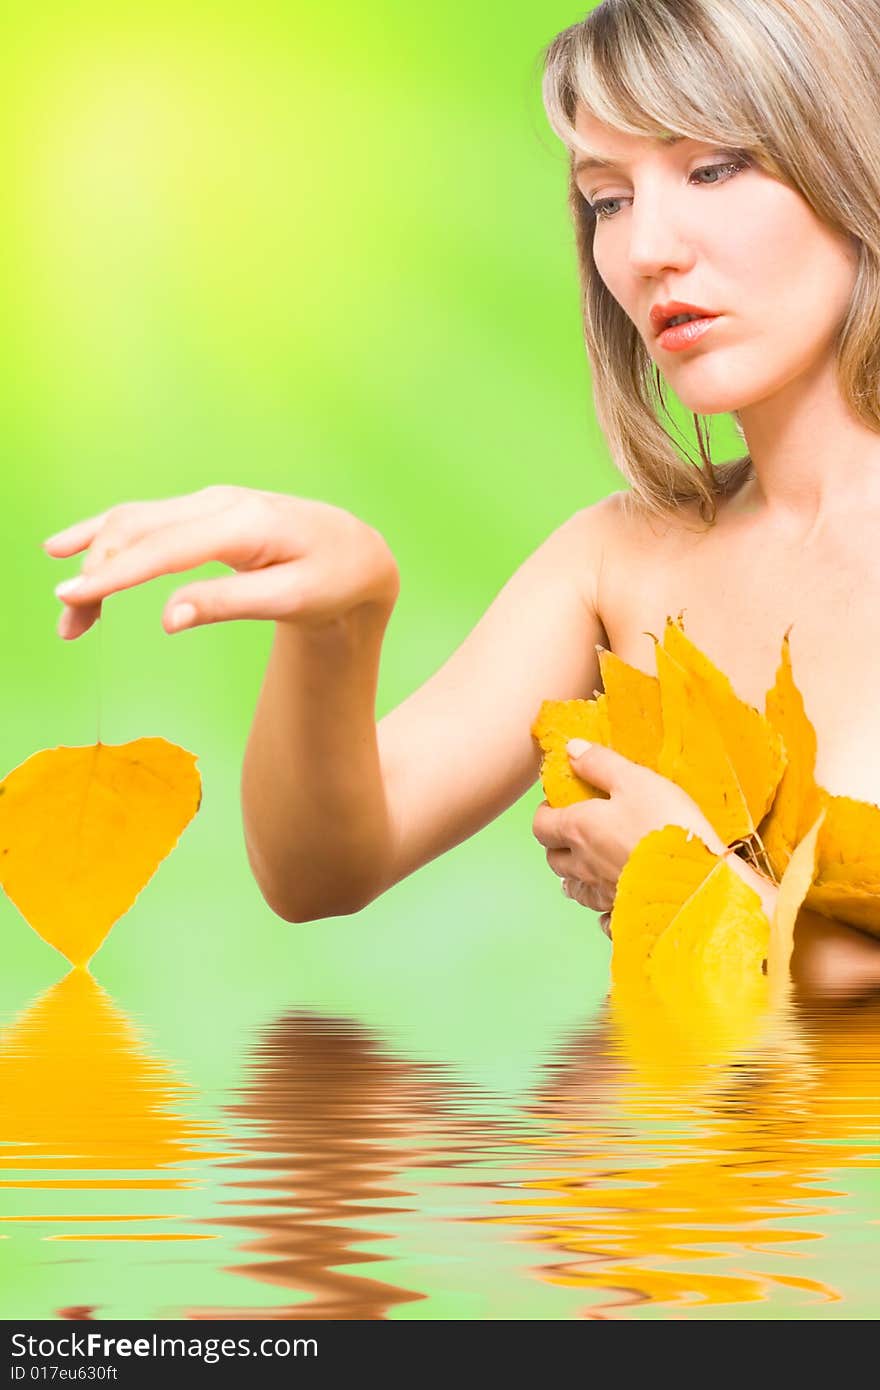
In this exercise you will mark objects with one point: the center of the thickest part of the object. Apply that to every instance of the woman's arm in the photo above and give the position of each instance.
(315, 817)
(338, 808)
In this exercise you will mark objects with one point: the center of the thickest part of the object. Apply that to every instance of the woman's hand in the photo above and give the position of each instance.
(589, 842)
(296, 560)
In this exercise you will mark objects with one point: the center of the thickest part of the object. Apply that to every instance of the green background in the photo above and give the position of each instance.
(325, 252)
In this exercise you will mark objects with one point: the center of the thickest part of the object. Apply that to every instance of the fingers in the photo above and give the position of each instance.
(104, 535)
(552, 825)
(599, 897)
(164, 550)
(131, 520)
(73, 622)
(560, 861)
(279, 592)
(587, 897)
(295, 559)
(76, 537)
(571, 852)
(601, 766)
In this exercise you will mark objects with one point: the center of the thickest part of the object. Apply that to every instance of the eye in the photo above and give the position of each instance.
(599, 210)
(733, 166)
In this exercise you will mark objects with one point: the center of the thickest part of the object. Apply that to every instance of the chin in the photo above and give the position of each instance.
(717, 383)
(713, 402)
(716, 397)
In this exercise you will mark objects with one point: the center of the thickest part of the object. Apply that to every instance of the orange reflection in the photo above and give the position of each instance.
(78, 1092)
(671, 1187)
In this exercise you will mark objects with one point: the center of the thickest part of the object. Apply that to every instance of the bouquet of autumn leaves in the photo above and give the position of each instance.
(680, 910)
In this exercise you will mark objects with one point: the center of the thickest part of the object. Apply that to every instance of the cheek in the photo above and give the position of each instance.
(610, 262)
(796, 273)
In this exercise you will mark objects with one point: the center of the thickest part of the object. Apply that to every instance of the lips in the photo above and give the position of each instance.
(662, 313)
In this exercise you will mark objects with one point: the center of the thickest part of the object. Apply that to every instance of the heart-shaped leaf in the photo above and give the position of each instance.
(82, 830)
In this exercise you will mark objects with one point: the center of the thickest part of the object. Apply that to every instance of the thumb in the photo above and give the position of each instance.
(597, 764)
(270, 592)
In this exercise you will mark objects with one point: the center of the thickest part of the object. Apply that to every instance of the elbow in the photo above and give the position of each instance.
(302, 910)
(289, 901)
(304, 913)
(308, 899)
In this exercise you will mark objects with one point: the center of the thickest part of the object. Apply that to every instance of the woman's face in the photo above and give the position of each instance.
(736, 242)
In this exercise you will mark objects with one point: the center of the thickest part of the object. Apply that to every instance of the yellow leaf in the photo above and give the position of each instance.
(634, 716)
(849, 889)
(82, 830)
(681, 915)
(850, 844)
(752, 775)
(724, 753)
(798, 800)
(792, 892)
(556, 723)
(693, 753)
(689, 940)
(686, 723)
(847, 874)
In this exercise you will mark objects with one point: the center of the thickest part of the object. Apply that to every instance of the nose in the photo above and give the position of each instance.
(658, 242)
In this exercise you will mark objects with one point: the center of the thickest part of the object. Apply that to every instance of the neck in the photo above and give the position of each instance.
(812, 457)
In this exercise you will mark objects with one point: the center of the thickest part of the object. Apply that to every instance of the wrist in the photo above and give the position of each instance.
(366, 621)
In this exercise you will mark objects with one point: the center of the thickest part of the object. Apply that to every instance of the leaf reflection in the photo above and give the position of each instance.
(664, 1179)
(79, 1093)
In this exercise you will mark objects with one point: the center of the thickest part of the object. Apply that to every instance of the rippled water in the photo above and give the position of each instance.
(346, 1177)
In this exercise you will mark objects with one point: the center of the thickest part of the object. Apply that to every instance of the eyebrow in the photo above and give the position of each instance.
(596, 163)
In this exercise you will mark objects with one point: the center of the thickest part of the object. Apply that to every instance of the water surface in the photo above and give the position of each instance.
(344, 1175)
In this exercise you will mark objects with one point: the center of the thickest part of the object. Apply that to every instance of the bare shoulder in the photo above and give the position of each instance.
(629, 527)
(580, 545)
(615, 527)
(640, 551)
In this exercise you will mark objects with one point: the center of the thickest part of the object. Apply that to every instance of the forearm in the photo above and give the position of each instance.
(316, 822)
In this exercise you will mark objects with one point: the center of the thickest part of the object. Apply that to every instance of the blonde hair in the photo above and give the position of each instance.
(793, 83)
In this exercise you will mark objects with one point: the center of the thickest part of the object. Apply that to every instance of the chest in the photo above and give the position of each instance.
(739, 598)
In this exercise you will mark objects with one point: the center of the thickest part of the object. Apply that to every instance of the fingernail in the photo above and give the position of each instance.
(70, 586)
(576, 746)
(181, 615)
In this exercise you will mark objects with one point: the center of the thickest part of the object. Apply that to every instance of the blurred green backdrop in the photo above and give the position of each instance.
(324, 251)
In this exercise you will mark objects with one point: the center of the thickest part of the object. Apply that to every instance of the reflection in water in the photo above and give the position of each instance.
(80, 1094)
(683, 1187)
(336, 1120)
(659, 1164)
(649, 1181)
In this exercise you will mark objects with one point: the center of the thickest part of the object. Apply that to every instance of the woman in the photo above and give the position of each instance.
(725, 161)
